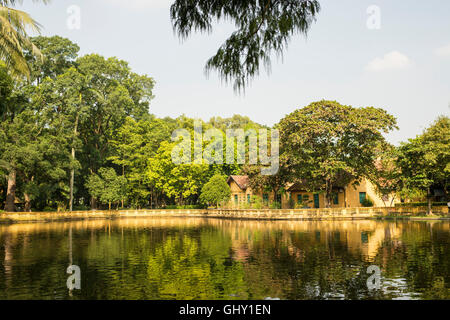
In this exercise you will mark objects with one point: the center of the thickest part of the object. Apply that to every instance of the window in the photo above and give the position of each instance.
(305, 199)
(279, 198)
(249, 200)
(362, 197)
(364, 237)
(236, 199)
(299, 199)
(335, 198)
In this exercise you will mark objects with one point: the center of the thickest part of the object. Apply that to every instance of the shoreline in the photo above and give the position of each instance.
(249, 214)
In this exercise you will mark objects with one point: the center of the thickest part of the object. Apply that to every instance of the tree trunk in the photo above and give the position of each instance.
(72, 171)
(11, 193)
(345, 197)
(429, 199)
(72, 180)
(328, 194)
(93, 203)
(27, 202)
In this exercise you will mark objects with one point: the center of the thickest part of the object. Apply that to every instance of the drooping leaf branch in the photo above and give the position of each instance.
(264, 27)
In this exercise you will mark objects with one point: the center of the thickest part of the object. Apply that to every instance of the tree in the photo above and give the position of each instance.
(134, 144)
(179, 182)
(215, 191)
(112, 93)
(386, 175)
(107, 186)
(264, 27)
(60, 90)
(327, 144)
(14, 132)
(425, 160)
(14, 39)
(59, 56)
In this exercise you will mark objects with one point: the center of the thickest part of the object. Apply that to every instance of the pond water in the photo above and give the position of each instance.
(195, 258)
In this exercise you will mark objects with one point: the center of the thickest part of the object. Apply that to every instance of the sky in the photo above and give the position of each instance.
(388, 54)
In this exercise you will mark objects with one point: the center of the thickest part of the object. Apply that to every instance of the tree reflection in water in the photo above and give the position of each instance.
(225, 259)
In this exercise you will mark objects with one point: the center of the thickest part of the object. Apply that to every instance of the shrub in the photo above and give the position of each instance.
(186, 207)
(257, 202)
(368, 202)
(419, 204)
(215, 191)
(291, 203)
(81, 208)
(275, 205)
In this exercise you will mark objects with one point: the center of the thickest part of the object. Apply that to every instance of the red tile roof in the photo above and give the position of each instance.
(241, 181)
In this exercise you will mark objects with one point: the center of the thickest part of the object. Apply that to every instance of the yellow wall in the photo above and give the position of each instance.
(242, 195)
(349, 198)
(367, 187)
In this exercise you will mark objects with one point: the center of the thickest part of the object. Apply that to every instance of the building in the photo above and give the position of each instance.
(296, 196)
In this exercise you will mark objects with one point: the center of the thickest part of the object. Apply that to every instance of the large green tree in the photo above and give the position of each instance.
(29, 141)
(112, 93)
(60, 90)
(134, 144)
(326, 144)
(264, 27)
(425, 160)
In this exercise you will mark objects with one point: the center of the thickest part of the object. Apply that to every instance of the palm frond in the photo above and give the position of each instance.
(14, 27)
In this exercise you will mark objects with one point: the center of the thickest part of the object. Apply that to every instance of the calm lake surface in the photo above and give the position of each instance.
(195, 258)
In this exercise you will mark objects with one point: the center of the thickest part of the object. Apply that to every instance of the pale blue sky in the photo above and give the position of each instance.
(404, 67)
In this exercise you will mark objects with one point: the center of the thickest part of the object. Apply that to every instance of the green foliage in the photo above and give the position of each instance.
(367, 202)
(264, 27)
(177, 182)
(419, 204)
(425, 160)
(192, 207)
(60, 54)
(134, 143)
(108, 187)
(215, 191)
(386, 175)
(257, 202)
(14, 28)
(275, 205)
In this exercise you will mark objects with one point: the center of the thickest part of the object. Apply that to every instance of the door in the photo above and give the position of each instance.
(316, 201)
